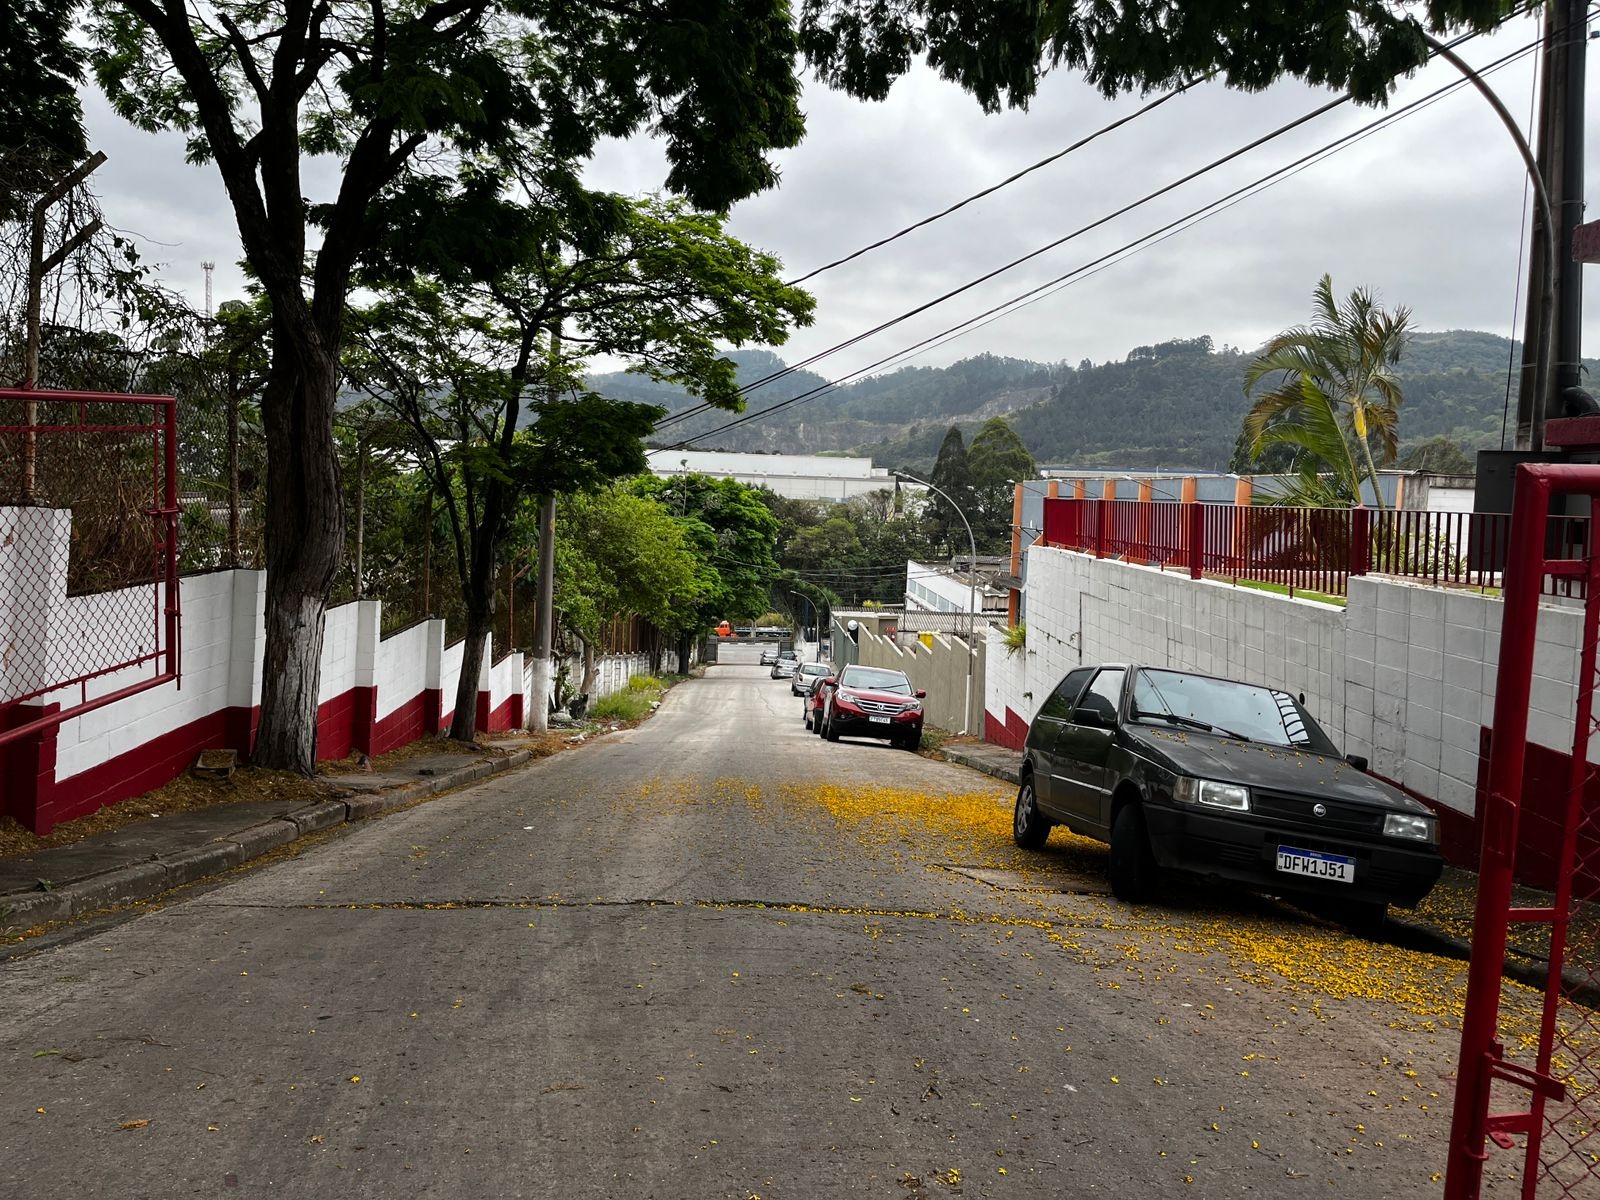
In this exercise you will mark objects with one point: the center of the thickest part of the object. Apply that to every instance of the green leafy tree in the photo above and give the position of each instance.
(461, 362)
(1336, 393)
(952, 475)
(998, 461)
(735, 536)
(1440, 455)
(619, 555)
(41, 117)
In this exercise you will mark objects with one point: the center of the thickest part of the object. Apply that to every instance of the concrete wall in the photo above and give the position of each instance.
(1404, 674)
(375, 694)
(940, 669)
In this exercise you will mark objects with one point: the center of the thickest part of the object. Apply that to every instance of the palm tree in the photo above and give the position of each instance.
(1336, 395)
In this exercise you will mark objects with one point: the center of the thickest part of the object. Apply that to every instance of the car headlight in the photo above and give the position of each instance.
(847, 697)
(1409, 825)
(1212, 794)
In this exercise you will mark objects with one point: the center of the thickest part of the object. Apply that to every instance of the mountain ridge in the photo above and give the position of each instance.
(1177, 403)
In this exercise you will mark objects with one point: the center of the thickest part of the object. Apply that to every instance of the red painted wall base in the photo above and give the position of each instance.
(31, 793)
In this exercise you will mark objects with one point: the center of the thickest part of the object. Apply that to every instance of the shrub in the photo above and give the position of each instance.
(644, 683)
(630, 705)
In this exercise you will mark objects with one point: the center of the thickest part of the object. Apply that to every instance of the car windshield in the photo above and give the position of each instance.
(873, 679)
(813, 668)
(1230, 708)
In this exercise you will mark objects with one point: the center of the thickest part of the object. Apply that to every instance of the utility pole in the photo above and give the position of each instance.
(538, 718)
(1560, 158)
(39, 265)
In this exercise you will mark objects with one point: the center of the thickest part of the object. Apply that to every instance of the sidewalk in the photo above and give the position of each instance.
(1441, 924)
(146, 858)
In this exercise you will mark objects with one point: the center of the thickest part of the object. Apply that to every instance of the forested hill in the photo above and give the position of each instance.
(1174, 404)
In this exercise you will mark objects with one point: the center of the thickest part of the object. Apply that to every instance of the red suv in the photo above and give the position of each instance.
(873, 702)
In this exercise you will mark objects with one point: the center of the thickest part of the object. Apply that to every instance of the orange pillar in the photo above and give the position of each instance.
(1186, 497)
(1141, 548)
(1244, 489)
(1080, 490)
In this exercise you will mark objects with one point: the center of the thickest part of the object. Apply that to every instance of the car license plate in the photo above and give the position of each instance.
(1294, 861)
(879, 720)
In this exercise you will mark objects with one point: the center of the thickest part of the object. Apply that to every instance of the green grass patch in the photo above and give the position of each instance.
(628, 705)
(1279, 589)
(646, 683)
(934, 738)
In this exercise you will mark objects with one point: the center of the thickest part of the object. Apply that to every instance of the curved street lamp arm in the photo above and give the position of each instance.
(1541, 361)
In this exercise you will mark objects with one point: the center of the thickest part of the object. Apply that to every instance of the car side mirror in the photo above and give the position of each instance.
(1358, 761)
(1091, 717)
(828, 682)
(921, 695)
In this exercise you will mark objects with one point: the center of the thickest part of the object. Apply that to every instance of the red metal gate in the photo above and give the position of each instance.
(1557, 1096)
(111, 460)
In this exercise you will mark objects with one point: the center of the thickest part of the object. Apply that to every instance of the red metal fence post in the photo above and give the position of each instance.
(1196, 515)
(1360, 540)
(1523, 579)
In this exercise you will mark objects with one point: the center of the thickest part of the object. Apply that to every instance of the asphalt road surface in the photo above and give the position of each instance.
(716, 956)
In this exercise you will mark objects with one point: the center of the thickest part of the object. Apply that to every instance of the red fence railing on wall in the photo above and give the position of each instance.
(1304, 549)
(103, 600)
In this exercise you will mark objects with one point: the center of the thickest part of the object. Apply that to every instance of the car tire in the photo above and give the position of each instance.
(806, 717)
(913, 741)
(828, 731)
(1131, 866)
(1029, 827)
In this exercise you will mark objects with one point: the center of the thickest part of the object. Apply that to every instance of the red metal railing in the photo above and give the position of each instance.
(112, 461)
(1560, 1155)
(1305, 549)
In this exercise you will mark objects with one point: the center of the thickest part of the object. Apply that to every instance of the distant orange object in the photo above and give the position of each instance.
(724, 629)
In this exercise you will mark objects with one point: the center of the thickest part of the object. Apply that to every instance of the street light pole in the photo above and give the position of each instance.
(972, 587)
(807, 600)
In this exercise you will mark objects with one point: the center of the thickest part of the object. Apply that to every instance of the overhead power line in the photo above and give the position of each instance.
(1290, 126)
(1127, 250)
(1006, 182)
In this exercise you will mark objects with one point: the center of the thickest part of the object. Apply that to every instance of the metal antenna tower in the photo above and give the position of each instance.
(208, 267)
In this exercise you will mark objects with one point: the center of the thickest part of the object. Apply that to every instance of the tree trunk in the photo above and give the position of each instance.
(591, 668)
(683, 654)
(304, 543)
(464, 725)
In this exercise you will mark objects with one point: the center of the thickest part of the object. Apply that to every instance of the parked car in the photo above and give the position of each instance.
(769, 655)
(874, 702)
(1190, 774)
(817, 701)
(784, 668)
(806, 674)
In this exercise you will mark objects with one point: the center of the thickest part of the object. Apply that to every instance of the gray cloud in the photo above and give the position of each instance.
(1427, 213)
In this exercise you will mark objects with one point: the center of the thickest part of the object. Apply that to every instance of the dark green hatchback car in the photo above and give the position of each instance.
(1187, 774)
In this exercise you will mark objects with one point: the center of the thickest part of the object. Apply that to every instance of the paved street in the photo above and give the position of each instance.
(719, 957)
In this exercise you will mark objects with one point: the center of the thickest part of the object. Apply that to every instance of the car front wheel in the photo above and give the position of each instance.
(828, 731)
(1133, 870)
(1029, 829)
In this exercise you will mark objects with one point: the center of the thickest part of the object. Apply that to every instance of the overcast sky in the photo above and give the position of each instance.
(1427, 213)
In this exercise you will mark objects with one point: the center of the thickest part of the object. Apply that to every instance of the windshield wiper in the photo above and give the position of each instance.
(1192, 723)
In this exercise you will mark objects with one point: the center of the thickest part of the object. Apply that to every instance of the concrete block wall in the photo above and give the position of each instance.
(939, 669)
(1404, 673)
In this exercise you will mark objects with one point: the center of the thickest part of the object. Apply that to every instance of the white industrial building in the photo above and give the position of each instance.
(796, 476)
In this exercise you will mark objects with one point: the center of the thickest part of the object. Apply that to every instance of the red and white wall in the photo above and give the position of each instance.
(376, 693)
(1404, 674)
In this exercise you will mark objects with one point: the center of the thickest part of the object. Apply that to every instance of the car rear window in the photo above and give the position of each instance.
(875, 679)
(1243, 709)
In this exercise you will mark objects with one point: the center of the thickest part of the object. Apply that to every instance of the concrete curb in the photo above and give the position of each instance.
(976, 763)
(141, 881)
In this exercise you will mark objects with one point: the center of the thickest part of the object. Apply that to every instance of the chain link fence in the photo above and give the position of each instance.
(88, 555)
